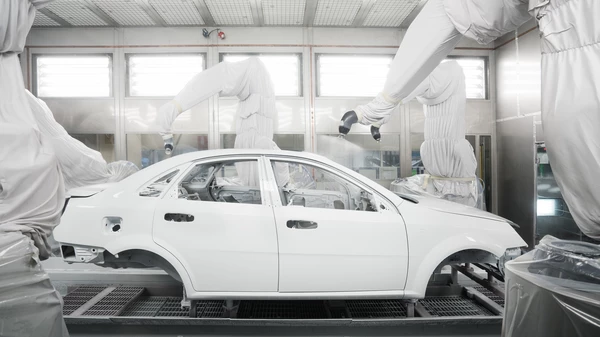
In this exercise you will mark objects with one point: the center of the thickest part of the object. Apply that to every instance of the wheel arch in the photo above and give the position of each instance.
(448, 251)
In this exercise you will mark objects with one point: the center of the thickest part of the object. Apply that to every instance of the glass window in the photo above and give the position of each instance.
(103, 143)
(291, 142)
(352, 75)
(284, 70)
(310, 186)
(553, 215)
(161, 74)
(147, 149)
(361, 153)
(72, 75)
(232, 182)
(475, 75)
(365, 76)
(157, 187)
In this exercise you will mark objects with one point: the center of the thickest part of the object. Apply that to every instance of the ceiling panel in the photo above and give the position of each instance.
(41, 20)
(389, 13)
(125, 12)
(283, 13)
(177, 12)
(336, 12)
(75, 13)
(230, 12)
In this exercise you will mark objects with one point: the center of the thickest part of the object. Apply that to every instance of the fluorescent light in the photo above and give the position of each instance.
(161, 75)
(73, 76)
(546, 207)
(283, 69)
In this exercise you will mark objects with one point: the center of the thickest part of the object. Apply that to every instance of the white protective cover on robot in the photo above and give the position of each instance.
(31, 192)
(570, 45)
(81, 166)
(251, 83)
(447, 156)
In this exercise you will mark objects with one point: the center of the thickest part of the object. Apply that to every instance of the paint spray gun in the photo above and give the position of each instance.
(350, 118)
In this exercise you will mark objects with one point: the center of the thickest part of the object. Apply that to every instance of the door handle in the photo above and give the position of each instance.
(179, 217)
(301, 224)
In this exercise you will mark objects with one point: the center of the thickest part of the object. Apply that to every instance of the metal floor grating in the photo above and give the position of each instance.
(113, 303)
(499, 300)
(78, 297)
(145, 306)
(156, 306)
(282, 310)
(376, 308)
(453, 306)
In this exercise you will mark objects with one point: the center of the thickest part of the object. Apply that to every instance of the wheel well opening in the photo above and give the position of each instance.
(137, 258)
(467, 256)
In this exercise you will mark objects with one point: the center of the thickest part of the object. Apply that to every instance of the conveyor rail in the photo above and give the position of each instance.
(447, 307)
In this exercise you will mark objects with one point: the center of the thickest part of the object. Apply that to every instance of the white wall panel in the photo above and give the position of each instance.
(140, 117)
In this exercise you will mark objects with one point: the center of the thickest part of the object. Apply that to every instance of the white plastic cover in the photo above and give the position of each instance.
(554, 291)
(570, 44)
(81, 166)
(32, 188)
(463, 191)
(29, 304)
(31, 192)
(250, 82)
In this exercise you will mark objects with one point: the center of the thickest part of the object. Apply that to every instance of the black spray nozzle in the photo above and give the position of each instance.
(348, 119)
(375, 133)
(168, 148)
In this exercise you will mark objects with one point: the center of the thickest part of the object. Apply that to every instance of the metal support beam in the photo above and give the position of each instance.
(55, 17)
(152, 13)
(309, 12)
(485, 301)
(100, 13)
(491, 286)
(363, 12)
(257, 13)
(205, 13)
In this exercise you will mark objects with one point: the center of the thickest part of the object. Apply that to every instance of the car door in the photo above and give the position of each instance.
(335, 234)
(216, 221)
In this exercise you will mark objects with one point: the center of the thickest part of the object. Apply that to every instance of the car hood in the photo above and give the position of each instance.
(87, 191)
(450, 207)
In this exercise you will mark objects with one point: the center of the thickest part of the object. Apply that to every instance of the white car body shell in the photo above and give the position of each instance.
(245, 251)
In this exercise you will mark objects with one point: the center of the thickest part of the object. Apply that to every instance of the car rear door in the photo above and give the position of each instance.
(327, 242)
(227, 245)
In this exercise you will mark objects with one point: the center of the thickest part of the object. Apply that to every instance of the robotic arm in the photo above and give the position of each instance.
(429, 39)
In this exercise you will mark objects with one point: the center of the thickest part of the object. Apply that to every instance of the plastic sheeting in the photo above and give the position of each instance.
(554, 290)
(29, 304)
(81, 166)
(251, 83)
(31, 192)
(463, 191)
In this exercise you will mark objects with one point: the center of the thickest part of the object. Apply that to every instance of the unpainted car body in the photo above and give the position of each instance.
(283, 225)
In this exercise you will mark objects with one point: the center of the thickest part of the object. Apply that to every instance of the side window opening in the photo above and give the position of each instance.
(309, 186)
(228, 181)
(158, 186)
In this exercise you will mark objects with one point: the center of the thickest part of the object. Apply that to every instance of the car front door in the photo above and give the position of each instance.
(216, 221)
(335, 234)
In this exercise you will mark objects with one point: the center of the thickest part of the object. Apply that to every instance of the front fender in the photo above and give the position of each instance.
(421, 267)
